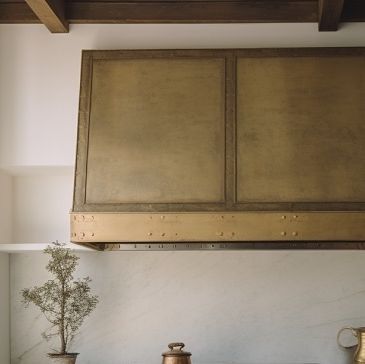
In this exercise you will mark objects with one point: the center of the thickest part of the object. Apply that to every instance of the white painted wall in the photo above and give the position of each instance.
(229, 307)
(4, 309)
(41, 204)
(6, 207)
(34, 205)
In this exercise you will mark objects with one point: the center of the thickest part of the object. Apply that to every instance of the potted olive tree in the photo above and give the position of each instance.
(65, 302)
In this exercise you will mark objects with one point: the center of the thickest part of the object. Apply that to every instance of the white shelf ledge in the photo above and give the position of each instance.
(25, 247)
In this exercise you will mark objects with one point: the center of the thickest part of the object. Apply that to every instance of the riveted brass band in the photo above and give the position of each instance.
(217, 227)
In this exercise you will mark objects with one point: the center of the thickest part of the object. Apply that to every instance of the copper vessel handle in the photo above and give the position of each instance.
(173, 345)
(353, 331)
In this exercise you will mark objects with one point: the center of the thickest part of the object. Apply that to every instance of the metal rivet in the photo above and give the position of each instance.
(163, 234)
(149, 234)
(283, 217)
(295, 216)
(283, 233)
(295, 233)
(233, 233)
(92, 234)
(83, 234)
(162, 217)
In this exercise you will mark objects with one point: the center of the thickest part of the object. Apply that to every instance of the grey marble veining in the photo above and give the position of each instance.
(228, 307)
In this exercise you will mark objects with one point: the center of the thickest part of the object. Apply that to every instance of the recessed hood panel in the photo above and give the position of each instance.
(249, 148)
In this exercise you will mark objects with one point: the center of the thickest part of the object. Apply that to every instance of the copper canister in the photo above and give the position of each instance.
(176, 355)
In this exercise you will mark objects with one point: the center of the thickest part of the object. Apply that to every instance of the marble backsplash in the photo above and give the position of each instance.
(229, 307)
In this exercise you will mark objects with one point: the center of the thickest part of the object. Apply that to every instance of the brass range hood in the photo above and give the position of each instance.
(221, 149)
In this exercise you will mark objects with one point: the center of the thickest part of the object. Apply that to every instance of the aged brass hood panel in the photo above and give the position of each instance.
(247, 148)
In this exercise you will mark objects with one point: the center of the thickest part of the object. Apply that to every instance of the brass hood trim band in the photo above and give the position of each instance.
(233, 228)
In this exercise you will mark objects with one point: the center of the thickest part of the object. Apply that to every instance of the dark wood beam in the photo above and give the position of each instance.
(258, 11)
(354, 10)
(51, 13)
(17, 13)
(329, 14)
(184, 11)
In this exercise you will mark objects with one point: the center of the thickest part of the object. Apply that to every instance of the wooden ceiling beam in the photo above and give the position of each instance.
(329, 14)
(51, 13)
(354, 10)
(172, 11)
(17, 13)
(193, 11)
(182, 11)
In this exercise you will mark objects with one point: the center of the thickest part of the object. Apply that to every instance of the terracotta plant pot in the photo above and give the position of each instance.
(69, 358)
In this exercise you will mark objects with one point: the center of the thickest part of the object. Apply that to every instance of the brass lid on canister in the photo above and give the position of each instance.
(176, 352)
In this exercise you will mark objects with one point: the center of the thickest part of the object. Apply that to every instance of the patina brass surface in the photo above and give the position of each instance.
(202, 227)
(359, 333)
(249, 135)
(157, 131)
(152, 131)
(301, 129)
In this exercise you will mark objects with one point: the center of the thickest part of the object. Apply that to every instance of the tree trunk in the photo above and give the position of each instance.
(63, 341)
(62, 324)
